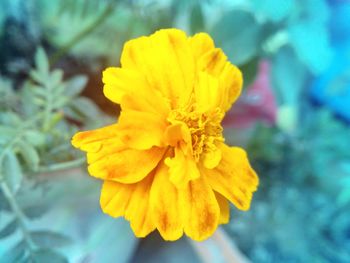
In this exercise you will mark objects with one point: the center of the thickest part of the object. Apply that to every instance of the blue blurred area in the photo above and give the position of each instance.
(293, 118)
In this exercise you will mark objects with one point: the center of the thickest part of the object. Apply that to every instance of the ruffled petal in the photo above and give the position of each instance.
(224, 208)
(166, 61)
(130, 201)
(214, 62)
(182, 168)
(200, 208)
(166, 208)
(233, 177)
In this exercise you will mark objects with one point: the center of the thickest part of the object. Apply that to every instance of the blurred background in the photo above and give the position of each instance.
(293, 119)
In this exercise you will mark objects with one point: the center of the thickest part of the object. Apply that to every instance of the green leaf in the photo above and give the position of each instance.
(10, 118)
(34, 211)
(288, 76)
(47, 239)
(14, 254)
(41, 61)
(8, 229)
(249, 71)
(29, 154)
(48, 255)
(35, 138)
(196, 19)
(12, 171)
(239, 35)
(85, 107)
(6, 133)
(274, 10)
(75, 85)
(311, 43)
(56, 77)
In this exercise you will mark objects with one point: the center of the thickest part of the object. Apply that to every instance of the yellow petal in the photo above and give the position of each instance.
(141, 130)
(224, 208)
(200, 209)
(200, 44)
(212, 158)
(182, 168)
(130, 89)
(123, 165)
(233, 177)
(130, 201)
(165, 207)
(207, 92)
(214, 62)
(166, 61)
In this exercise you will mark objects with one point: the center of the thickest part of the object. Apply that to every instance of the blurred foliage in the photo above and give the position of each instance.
(36, 124)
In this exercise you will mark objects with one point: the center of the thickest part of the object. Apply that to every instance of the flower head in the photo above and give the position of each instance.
(164, 164)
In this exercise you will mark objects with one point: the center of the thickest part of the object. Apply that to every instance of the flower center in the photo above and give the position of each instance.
(204, 129)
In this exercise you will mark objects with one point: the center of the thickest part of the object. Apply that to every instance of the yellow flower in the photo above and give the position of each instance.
(164, 164)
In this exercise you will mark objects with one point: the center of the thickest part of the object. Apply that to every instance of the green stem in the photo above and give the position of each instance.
(80, 36)
(62, 166)
(18, 213)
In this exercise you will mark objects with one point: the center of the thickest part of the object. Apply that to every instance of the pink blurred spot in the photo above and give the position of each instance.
(257, 102)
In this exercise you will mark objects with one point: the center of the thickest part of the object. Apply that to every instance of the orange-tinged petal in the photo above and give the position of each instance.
(166, 209)
(224, 208)
(90, 141)
(166, 60)
(141, 130)
(124, 165)
(233, 177)
(130, 201)
(182, 168)
(200, 209)
(109, 158)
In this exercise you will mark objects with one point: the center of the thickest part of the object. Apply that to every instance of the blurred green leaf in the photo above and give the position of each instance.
(8, 229)
(288, 76)
(48, 255)
(239, 35)
(41, 61)
(12, 171)
(10, 118)
(312, 45)
(14, 254)
(85, 107)
(75, 85)
(29, 154)
(35, 138)
(249, 71)
(274, 10)
(47, 239)
(196, 19)
(6, 133)
(36, 210)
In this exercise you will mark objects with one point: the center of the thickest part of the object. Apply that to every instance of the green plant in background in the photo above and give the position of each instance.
(36, 124)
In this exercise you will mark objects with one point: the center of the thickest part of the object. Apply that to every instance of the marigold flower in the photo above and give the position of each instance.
(164, 164)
